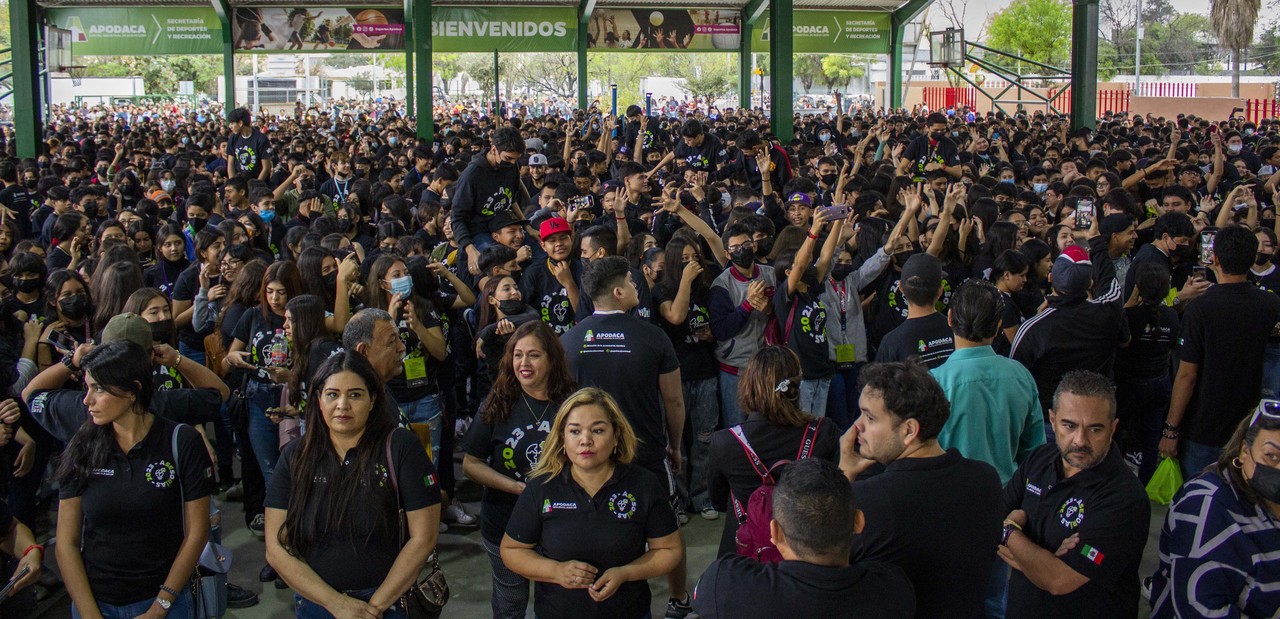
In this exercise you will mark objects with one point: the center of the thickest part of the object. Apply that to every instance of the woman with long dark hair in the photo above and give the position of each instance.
(111, 288)
(311, 342)
(209, 244)
(502, 312)
(133, 506)
(503, 445)
(332, 529)
(171, 259)
(70, 307)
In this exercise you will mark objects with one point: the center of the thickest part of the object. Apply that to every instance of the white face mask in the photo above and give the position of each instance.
(167, 185)
(824, 136)
(1235, 148)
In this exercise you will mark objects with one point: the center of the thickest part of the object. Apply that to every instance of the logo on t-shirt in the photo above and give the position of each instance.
(548, 506)
(623, 505)
(161, 474)
(1071, 514)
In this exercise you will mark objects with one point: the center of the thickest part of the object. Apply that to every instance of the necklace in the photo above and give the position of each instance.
(524, 397)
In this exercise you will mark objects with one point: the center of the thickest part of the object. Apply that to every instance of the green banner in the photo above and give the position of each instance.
(136, 31)
(831, 32)
(506, 29)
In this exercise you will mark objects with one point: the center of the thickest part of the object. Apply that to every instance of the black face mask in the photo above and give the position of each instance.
(26, 285)
(841, 271)
(810, 279)
(503, 166)
(165, 212)
(511, 307)
(1266, 482)
(197, 224)
(1184, 253)
(829, 179)
(764, 246)
(744, 257)
(937, 136)
(75, 308)
(902, 257)
(330, 282)
(1262, 259)
(162, 331)
(344, 226)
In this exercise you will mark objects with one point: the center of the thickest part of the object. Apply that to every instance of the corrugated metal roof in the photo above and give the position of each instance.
(853, 5)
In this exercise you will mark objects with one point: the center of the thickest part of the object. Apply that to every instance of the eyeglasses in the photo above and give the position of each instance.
(1270, 408)
(733, 248)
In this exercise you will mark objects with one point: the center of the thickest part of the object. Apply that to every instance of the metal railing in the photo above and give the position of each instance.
(6, 80)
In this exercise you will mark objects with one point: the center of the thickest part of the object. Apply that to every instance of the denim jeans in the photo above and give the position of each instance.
(813, 396)
(510, 595)
(1194, 457)
(700, 410)
(183, 608)
(263, 434)
(1142, 405)
(1271, 372)
(998, 590)
(306, 609)
(842, 397)
(193, 354)
(425, 410)
(730, 415)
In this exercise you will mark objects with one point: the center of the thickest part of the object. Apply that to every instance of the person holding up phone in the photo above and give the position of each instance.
(801, 314)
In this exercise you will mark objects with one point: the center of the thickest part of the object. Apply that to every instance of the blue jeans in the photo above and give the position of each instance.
(183, 608)
(998, 590)
(193, 354)
(730, 415)
(842, 397)
(425, 410)
(510, 595)
(306, 609)
(813, 396)
(263, 434)
(1271, 372)
(1142, 405)
(700, 410)
(1194, 457)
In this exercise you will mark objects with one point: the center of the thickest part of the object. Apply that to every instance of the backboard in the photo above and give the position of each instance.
(57, 49)
(946, 48)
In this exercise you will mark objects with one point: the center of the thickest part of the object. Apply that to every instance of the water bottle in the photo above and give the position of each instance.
(278, 350)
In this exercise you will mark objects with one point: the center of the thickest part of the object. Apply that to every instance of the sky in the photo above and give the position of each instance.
(978, 10)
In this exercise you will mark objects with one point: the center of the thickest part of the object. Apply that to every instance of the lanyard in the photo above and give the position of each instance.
(841, 290)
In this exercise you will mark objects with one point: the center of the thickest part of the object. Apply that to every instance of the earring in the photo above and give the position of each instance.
(1236, 462)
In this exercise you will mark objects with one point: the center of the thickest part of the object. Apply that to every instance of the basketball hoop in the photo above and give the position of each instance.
(77, 73)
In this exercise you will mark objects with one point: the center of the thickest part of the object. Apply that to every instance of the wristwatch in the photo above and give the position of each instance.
(1009, 528)
(165, 604)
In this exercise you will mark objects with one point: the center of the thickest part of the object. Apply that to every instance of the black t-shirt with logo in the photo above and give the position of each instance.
(807, 332)
(544, 293)
(735, 586)
(258, 333)
(702, 158)
(511, 447)
(625, 355)
(360, 557)
(418, 380)
(133, 511)
(928, 337)
(1269, 281)
(607, 530)
(185, 289)
(247, 153)
(1152, 331)
(697, 356)
(922, 151)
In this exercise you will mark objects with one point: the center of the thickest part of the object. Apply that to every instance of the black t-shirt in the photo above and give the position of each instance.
(702, 158)
(57, 258)
(922, 151)
(734, 587)
(928, 337)
(697, 356)
(1152, 330)
(1107, 507)
(164, 276)
(543, 292)
(418, 380)
(16, 198)
(62, 411)
(946, 552)
(1071, 334)
(607, 530)
(360, 556)
(511, 447)
(185, 289)
(248, 153)
(37, 309)
(1269, 281)
(133, 511)
(1224, 332)
(258, 334)
(625, 356)
(807, 332)
(1011, 317)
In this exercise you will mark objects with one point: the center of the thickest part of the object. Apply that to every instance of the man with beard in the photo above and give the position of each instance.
(1078, 517)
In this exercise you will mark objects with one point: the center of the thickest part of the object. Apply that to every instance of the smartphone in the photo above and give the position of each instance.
(216, 280)
(1206, 245)
(8, 587)
(62, 341)
(835, 211)
(1084, 213)
(1199, 273)
(580, 202)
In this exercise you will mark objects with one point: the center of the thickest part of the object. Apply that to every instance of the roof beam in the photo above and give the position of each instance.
(909, 11)
(585, 9)
(754, 10)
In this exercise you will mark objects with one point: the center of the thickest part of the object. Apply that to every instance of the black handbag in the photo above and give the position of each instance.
(427, 597)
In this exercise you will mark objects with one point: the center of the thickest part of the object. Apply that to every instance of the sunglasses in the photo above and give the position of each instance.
(1270, 408)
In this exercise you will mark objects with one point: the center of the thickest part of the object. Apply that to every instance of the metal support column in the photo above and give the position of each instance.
(24, 17)
(420, 10)
(751, 15)
(223, 9)
(585, 9)
(409, 102)
(1084, 63)
(781, 70)
(897, 37)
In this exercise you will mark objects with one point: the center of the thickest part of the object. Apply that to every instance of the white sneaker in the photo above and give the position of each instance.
(455, 512)
(710, 514)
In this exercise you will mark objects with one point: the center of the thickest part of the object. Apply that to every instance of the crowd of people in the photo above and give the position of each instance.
(920, 365)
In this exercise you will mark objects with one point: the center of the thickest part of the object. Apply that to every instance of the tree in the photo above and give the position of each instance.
(1038, 30)
(710, 84)
(839, 70)
(547, 73)
(446, 66)
(808, 69)
(1233, 23)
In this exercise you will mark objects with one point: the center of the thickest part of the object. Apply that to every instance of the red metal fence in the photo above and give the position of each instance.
(1168, 89)
(940, 98)
(1258, 109)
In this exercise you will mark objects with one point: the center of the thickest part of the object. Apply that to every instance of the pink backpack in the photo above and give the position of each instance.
(753, 538)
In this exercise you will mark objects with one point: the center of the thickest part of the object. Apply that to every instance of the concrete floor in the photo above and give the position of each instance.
(467, 566)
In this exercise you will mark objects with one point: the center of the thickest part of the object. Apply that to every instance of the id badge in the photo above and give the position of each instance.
(415, 369)
(846, 353)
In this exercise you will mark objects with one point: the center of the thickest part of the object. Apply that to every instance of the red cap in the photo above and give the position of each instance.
(553, 226)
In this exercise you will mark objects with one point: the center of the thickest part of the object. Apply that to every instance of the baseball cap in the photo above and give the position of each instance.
(799, 198)
(926, 269)
(128, 327)
(1072, 272)
(537, 160)
(502, 219)
(1113, 223)
(553, 226)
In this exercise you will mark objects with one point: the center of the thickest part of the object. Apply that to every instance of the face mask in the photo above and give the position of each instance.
(511, 307)
(392, 141)
(402, 286)
(902, 257)
(267, 216)
(344, 225)
(764, 246)
(75, 308)
(1184, 253)
(937, 135)
(330, 281)
(1093, 152)
(1248, 132)
(26, 285)
(1007, 181)
(1235, 149)
(810, 278)
(1261, 259)
(126, 188)
(744, 257)
(167, 185)
(505, 165)
(162, 331)
(1040, 187)
(196, 224)
(823, 137)
(1266, 482)
(186, 140)
(841, 271)
(830, 179)
(165, 212)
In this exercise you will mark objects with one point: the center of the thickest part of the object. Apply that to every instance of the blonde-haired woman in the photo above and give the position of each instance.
(590, 529)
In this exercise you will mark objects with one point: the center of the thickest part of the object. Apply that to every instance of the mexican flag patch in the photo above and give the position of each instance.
(430, 480)
(1092, 554)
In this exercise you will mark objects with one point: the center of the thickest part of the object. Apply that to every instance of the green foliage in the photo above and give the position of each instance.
(839, 70)
(711, 84)
(160, 74)
(1038, 30)
(808, 69)
(446, 66)
(5, 39)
